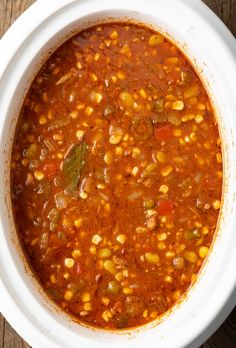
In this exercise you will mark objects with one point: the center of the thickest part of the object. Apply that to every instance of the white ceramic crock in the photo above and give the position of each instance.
(201, 35)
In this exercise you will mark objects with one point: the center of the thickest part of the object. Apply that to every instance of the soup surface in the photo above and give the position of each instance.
(116, 175)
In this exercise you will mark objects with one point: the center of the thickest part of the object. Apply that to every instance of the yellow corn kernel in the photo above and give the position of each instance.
(78, 222)
(93, 250)
(108, 157)
(53, 279)
(69, 262)
(219, 157)
(79, 65)
(105, 301)
(66, 276)
(152, 258)
(109, 266)
(83, 195)
(88, 111)
(121, 75)
(121, 238)
(24, 162)
(119, 276)
(101, 186)
(42, 120)
(201, 106)
(38, 175)
(115, 139)
(155, 40)
(126, 99)
(143, 93)
(164, 188)
(87, 306)
(80, 106)
(128, 291)
(190, 256)
(96, 56)
(161, 236)
(205, 230)
(118, 150)
(176, 295)
(170, 254)
(93, 77)
(216, 204)
(161, 157)
(104, 253)
(199, 118)
(68, 295)
(134, 171)
(177, 132)
(203, 251)
(161, 245)
(79, 134)
(168, 279)
(193, 137)
(114, 78)
(178, 105)
(153, 314)
(76, 253)
(86, 297)
(113, 35)
(145, 313)
(136, 152)
(96, 239)
(166, 170)
(106, 315)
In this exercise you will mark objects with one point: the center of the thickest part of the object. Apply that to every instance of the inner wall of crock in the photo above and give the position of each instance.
(31, 68)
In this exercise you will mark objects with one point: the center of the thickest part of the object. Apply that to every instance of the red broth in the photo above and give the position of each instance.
(116, 175)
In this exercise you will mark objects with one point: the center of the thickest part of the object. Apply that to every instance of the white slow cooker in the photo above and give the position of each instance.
(212, 49)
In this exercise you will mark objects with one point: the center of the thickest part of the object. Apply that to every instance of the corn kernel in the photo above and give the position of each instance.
(119, 276)
(87, 306)
(93, 250)
(216, 204)
(153, 314)
(86, 297)
(121, 75)
(38, 175)
(53, 279)
(128, 291)
(115, 139)
(79, 65)
(143, 93)
(161, 236)
(96, 239)
(83, 195)
(113, 35)
(152, 258)
(155, 40)
(105, 301)
(164, 188)
(108, 157)
(96, 56)
(121, 238)
(199, 118)
(134, 171)
(93, 77)
(118, 150)
(178, 105)
(106, 315)
(78, 222)
(42, 120)
(203, 251)
(177, 132)
(145, 313)
(205, 230)
(161, 245)
(79, 134)
(69, 262)
(68, 295)
(76, 253)
(166, 170)
(88, 111)
(218, 157)
(168, 279)
(190, 256)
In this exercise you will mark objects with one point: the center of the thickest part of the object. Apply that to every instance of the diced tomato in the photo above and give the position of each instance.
(163, 133)
(165, 207)
(50, 169)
